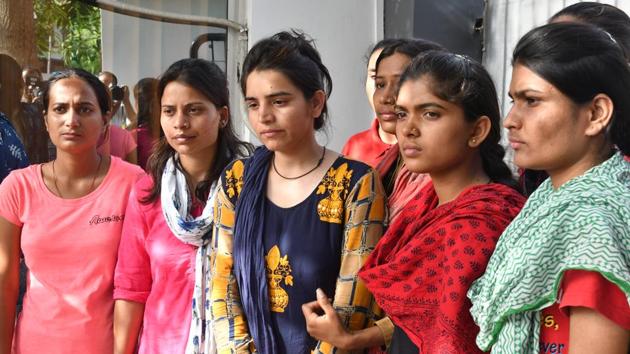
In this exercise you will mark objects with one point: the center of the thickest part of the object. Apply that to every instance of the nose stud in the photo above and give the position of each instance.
(414, 131)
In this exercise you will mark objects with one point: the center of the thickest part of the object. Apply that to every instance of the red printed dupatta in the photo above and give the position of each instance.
(422, 268)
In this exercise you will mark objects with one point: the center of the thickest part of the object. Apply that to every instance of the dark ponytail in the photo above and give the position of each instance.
(295, 56)
(464, 82)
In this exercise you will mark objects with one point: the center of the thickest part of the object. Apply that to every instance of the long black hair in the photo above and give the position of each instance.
(410, 47)
(295, 56)
(581, 61)
(208, 79)
(464, 82)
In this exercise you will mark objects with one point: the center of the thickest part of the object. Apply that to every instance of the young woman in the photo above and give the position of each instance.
(400, 184)
(162, 270)
(564, 259)
(294, 217)
(449, 127)
(610, 19)
(65, 217)
(367, 146)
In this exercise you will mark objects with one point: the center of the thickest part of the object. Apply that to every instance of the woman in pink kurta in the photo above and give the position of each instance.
(65, 217)
(161, 280)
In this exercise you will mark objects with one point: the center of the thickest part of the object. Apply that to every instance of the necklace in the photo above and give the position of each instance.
(98, 168)
(319, 163)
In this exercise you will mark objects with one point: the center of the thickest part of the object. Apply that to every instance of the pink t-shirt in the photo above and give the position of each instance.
(120, 143)
(155, 268)
(69, 247)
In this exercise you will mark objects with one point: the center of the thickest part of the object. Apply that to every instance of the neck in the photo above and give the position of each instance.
(386, 137)
(76, 165)
(299, 159)
(449, 184)
(197, 166)
(589, 160)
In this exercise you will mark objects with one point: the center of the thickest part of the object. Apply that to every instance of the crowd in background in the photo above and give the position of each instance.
(152, 228)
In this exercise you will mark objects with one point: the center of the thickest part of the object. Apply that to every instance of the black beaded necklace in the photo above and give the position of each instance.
(319, 163)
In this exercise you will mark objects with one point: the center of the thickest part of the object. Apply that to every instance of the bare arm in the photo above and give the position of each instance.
(592, 332)
(127, 322)
(9, 280)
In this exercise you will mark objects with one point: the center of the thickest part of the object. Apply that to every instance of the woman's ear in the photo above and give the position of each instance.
(224, 116)
(317, 103)
(601, 111)
(480, 131)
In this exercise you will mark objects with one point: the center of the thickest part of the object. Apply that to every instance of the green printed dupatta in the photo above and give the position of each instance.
(584, 224)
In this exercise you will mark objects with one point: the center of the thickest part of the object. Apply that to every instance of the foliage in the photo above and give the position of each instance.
(75, 30)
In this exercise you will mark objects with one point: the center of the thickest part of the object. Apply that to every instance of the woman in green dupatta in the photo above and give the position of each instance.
(565, 259)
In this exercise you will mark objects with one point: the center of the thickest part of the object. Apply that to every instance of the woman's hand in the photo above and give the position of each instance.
(326, 327)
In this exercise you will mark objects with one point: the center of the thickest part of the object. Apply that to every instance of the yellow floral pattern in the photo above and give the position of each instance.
(336, 183)
(278, 270)
(234, 179)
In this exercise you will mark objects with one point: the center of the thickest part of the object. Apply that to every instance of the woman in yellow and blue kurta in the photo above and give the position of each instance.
(293, 218)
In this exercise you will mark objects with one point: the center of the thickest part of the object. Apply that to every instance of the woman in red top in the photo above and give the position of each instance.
(449, 127)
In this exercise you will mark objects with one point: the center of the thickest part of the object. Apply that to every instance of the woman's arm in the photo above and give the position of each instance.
(127, 322)
(9, 280)
(228, 320)
(592, 332)
(323, 323)
(365, 220)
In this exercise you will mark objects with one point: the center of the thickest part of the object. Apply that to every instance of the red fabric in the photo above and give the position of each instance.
(585, 289)
(627, 158)
(366, 146)
(407, 185)
(423, 266)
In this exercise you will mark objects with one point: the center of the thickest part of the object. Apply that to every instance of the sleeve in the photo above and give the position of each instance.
(345, 151)
(12, 152)
(364, 224)
(228, 320)
(591, 290)
(11, 196)
(132, 278)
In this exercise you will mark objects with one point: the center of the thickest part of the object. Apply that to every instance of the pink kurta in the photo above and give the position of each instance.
(69, 247)
(157, 269)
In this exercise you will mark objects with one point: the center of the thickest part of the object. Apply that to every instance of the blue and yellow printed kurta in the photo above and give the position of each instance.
(321, 242)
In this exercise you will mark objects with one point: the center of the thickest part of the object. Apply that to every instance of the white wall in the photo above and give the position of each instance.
(343, 31)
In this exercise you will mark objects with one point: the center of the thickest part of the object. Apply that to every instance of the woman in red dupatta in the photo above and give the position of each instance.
(449, 127)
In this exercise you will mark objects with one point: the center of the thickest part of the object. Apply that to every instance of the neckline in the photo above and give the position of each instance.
(303, 201)
(96, 192)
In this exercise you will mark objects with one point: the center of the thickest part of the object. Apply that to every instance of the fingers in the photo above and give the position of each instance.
(324, 303)
(310, 309)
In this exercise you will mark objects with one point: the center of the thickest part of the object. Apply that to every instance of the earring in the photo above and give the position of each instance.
(474, 140)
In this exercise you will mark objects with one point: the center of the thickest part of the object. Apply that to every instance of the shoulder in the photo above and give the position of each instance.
(232, 179)
(27, 175)
(123, 167)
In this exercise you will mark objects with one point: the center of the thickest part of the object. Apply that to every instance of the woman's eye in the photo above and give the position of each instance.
(252, 105)
(531, 101)
(59, 109)
(167, 111)
(379, 85)
(85, 110)
(279, 102)
(194, 110)
(401, 115)
(431, 115)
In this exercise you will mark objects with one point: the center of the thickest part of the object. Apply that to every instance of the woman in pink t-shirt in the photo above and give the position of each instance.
(65, 217)
(163, 265)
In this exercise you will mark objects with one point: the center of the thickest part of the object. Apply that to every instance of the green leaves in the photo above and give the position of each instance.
(74, 31)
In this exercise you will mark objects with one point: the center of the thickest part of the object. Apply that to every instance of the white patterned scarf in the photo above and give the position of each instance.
(176, 204)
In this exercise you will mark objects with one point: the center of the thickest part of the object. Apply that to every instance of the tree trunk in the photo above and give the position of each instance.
(17, 31)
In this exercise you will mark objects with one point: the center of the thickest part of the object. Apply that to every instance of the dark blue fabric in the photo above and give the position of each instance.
(12, 153)
(313, 249)
(249, 252)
